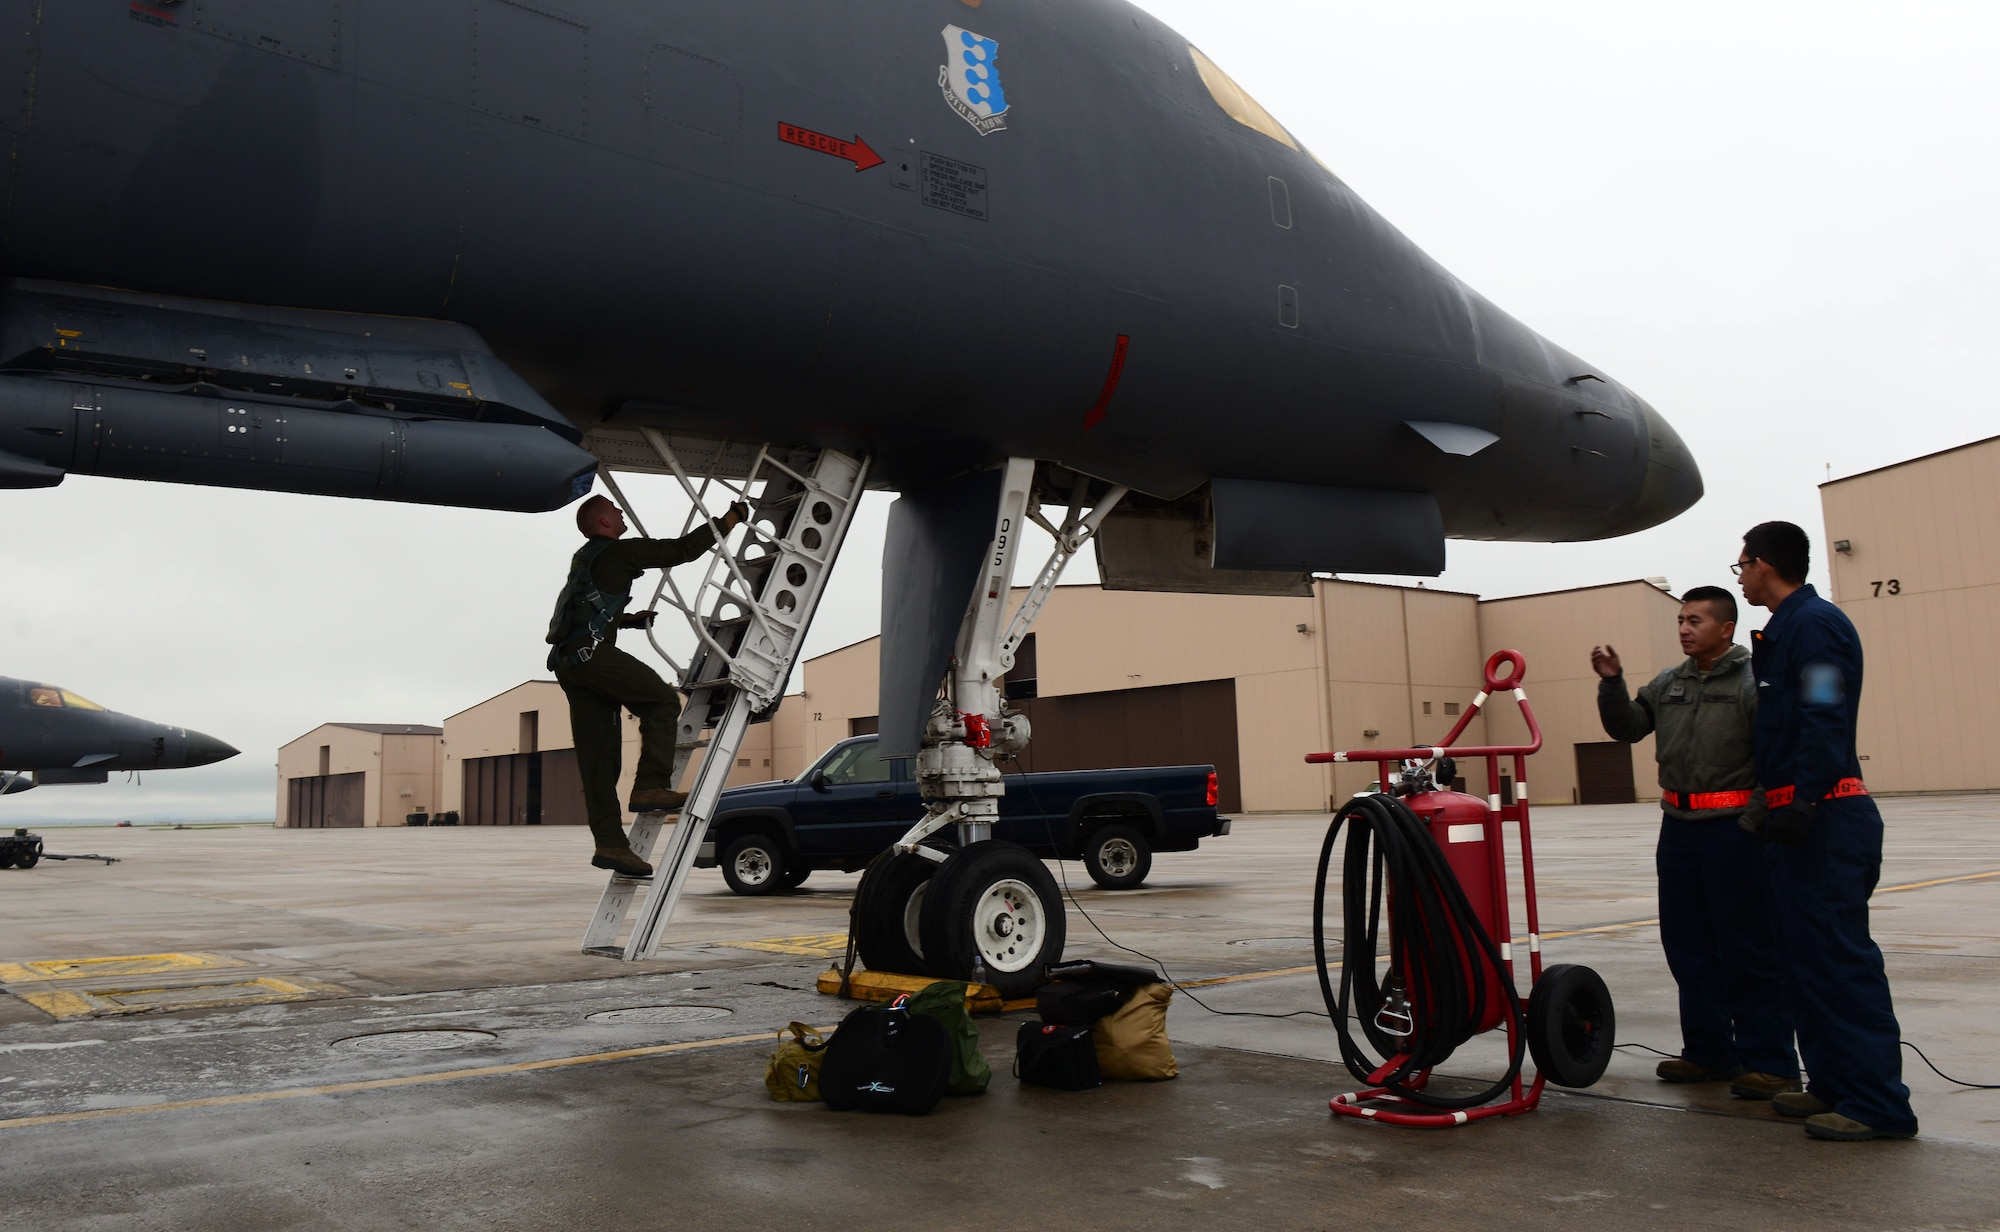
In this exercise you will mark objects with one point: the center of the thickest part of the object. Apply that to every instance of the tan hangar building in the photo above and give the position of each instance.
(1252, 684)
(358, 774)
(1914, 551)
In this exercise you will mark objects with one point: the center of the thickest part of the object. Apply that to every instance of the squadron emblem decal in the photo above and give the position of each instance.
(970, 79)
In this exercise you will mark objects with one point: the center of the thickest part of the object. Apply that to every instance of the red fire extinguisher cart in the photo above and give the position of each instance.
(1436, 859)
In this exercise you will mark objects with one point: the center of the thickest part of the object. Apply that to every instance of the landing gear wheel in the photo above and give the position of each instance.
(888, 907)
(998, 897)
(1571, 1025)
(1117, 857)
(754, 865)
(796, 875)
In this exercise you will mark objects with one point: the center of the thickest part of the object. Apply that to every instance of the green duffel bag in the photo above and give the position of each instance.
(945, 1001)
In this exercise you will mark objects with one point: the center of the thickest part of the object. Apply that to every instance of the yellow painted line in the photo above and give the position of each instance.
(383, 1084)
(1249, 975)
(123, 966)
(811, 945)
(1924, 885)
(99, 1002)
(1627, 926)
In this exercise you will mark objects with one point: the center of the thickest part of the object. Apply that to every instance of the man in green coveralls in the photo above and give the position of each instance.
(598, 678)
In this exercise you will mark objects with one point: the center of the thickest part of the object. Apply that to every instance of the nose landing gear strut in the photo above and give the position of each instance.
(986, 899)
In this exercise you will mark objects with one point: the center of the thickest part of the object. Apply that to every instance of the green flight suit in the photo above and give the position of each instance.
(610, 678)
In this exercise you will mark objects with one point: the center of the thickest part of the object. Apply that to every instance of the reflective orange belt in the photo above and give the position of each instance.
(1708, 799)
(1779, 797)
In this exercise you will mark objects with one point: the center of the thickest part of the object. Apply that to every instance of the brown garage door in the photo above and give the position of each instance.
(562, 789)
(523, 789)
(1166, 725)
(1604, 773)
(326, 801)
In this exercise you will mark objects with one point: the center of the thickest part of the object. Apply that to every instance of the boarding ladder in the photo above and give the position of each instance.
(749, 616)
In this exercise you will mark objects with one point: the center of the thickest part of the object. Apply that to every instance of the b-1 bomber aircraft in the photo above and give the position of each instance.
(1000, 259)
(50, 736)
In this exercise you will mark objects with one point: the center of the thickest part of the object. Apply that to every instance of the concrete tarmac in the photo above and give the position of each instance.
(259, 1029)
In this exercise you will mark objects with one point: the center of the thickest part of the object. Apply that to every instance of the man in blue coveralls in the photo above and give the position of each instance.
(1823, 840)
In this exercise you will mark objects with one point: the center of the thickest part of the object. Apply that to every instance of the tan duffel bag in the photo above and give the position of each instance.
(1132, 1040)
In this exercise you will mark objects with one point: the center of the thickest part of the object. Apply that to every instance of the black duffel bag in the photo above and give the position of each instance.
(886, 1059)
(1084, 991)
(1078, 1003)
(1063, 1057)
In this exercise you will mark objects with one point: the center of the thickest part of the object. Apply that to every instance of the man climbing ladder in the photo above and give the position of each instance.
(598, 678)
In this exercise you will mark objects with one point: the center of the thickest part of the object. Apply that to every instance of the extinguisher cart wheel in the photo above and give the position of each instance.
(1571, 1025)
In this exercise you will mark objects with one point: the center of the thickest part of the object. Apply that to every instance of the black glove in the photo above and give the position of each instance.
(738, 511)
(1789, 825)
(637, 620)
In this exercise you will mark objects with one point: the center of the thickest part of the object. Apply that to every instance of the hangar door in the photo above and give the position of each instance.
(523, 789)
(1165, 725)
(326, 801)
(1604, 773)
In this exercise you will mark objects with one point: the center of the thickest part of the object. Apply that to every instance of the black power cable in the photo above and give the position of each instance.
(1049, 826)
(1439, 948)
(1957, 1082)
(1931, 1065)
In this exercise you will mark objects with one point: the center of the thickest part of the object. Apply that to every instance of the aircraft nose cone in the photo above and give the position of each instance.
(1672, 483)
(205, 750)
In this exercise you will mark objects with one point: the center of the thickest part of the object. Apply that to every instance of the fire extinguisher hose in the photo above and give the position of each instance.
(1389, 850)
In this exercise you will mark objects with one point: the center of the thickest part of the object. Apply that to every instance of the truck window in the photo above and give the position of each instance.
(857, 763)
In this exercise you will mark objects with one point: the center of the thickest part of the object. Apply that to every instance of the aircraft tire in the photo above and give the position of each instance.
(1000, 898)
(888, 910)
(1571, 1025)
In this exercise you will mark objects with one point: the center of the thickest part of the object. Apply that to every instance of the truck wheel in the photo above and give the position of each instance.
(1571, 1025)
(754, 865)
(996, 899)
(28, 857)
(888, 909)
(1117, 857)
(795, 876)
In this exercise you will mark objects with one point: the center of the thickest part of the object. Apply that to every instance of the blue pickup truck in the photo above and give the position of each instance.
(852, 803)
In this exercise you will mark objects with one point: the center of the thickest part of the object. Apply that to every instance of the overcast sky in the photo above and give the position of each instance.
(1776, 222)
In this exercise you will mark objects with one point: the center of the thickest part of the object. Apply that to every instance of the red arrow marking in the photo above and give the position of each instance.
(855, 151)
(1096, 414)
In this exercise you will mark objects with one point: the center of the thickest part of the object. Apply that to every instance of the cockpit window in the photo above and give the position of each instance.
(59, 699)
(1241, 107)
